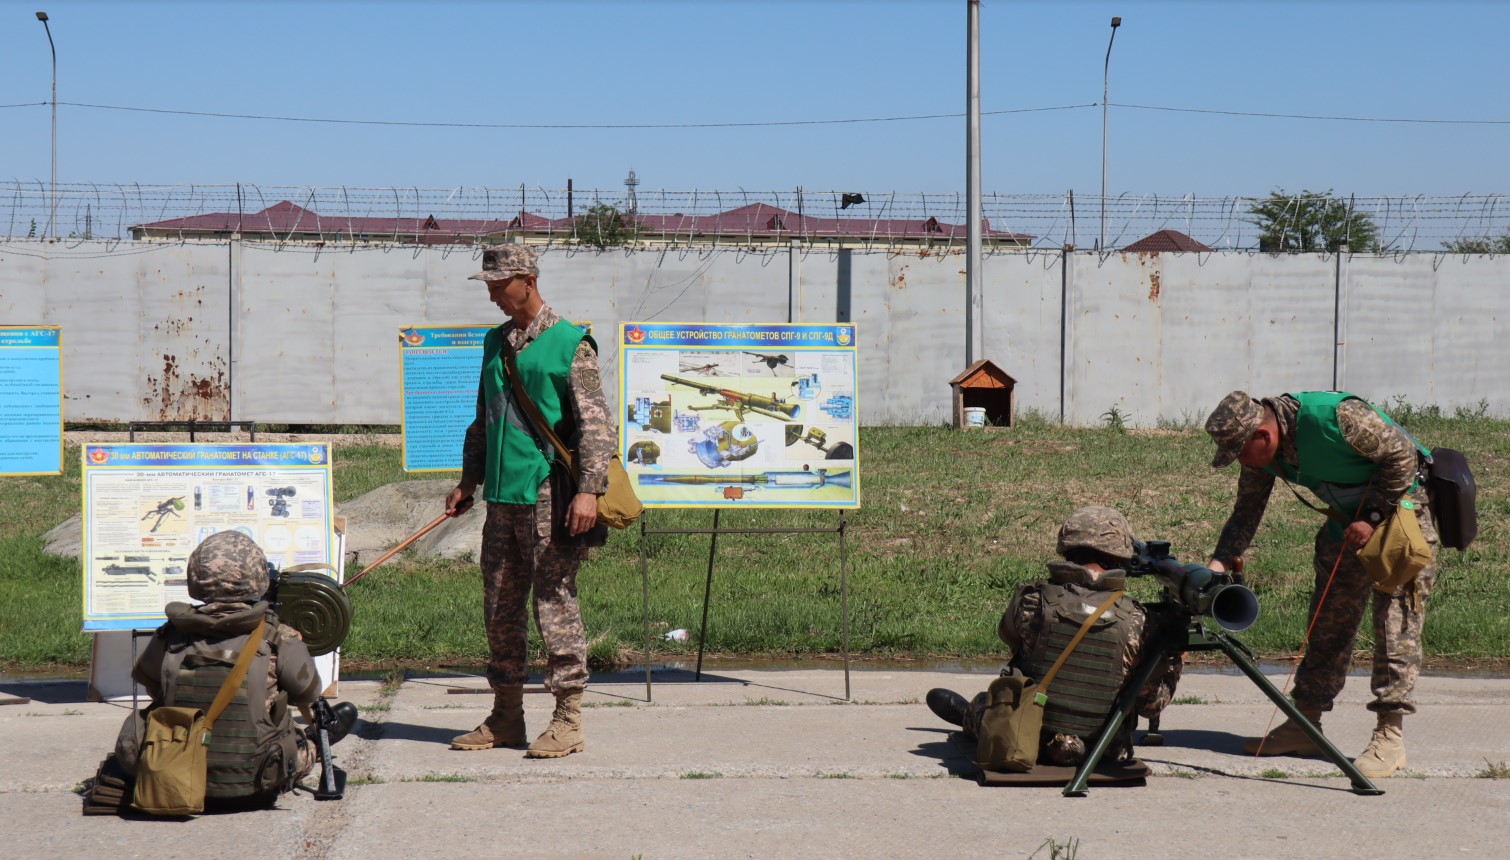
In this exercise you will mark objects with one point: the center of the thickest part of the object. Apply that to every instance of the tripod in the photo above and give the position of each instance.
(1182, 631)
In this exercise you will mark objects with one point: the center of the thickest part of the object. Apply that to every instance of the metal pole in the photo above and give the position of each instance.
(974, 331)
(702, 635)
(645, 599)
(844, 600)
(52, 220)
(1105, 94)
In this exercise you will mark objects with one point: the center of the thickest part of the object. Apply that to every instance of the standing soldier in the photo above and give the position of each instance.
(1361, 464)
(523, 550)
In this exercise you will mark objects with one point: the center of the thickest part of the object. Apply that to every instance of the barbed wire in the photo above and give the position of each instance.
(352, 216)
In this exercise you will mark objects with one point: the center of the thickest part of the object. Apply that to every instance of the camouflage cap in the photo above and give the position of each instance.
(1099, 528)
(1230, 425)
(500, 264)
(227, 567)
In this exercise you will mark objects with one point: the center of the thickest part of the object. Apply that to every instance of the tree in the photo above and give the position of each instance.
(1478, 245)
(604, 226)
(1311, 221)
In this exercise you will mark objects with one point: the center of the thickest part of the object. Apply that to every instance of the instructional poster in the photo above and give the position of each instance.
(438, 371)
(147, 506)
(740, 415)
(31, 400)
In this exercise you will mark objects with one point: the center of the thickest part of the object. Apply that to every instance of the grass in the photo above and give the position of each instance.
(952, 523)
(1274, 773)
(701, 774)
(1188, 700)
(1494, 770)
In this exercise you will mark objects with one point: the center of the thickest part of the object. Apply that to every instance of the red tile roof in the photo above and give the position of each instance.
(756, 219)
(1167, 240)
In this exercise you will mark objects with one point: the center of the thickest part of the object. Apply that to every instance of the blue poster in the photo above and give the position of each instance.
(727, 415)
(439, 367)
(31, 400)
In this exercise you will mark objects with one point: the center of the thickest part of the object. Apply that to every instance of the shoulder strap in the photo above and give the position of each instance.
(1085, 628)
(523, 399)
(1331, 513)
(238, 674)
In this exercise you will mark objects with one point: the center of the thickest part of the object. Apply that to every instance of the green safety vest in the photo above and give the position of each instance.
(516, 463)
(1329, 466)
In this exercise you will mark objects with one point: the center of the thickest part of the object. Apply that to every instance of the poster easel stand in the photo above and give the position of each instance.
(713, 533)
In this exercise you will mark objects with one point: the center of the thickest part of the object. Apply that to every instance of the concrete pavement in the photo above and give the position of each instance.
(754, 763)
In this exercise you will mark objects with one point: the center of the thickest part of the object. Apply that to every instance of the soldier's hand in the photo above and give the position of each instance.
(1357, 534)
(583, 514)
(454, 497)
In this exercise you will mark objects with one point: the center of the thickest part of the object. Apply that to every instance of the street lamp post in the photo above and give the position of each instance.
(1105, 92)
(52, 221)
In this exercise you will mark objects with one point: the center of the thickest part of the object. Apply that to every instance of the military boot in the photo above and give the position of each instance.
(947, 705)
(503, 728)
(1385, 752)
(564, 735)
(1287, 739)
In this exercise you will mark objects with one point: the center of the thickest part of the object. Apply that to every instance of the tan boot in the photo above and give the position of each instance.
(503, 728)
(564, 735)
(1287, 739)
(1385, 752)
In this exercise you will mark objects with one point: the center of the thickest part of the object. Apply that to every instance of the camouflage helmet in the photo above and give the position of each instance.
(227, 567)
(1098, 528)
(1230, 425)
(502, 263)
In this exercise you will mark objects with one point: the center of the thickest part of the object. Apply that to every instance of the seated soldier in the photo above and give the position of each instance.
(1095, 543)
(255, 751)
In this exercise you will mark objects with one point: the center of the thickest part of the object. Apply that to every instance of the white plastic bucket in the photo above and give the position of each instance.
(975, 416)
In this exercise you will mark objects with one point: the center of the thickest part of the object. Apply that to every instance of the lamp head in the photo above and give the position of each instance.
(42, 16)
(1116, 22)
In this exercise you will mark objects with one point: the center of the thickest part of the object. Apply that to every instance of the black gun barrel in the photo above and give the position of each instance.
(1201, 590)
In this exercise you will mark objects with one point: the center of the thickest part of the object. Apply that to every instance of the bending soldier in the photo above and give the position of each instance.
(255, 751)
(1361, 464)
(1095, 542)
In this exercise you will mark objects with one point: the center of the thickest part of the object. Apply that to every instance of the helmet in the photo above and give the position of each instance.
(1097, 528)
(227, 567)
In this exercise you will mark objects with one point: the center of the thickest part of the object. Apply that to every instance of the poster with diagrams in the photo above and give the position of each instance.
(31, 400)
(740, 415)
(147, 506)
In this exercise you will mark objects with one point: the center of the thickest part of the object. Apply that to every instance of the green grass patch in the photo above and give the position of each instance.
(952, 523)
(701, 774)
(1494, 770)
(838, 775)
(445, 777)
(1274, 773)
(365, 779)
(1188, 700)
(612, 704)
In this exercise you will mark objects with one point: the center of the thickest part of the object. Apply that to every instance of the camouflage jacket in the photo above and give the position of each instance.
(1370, 435)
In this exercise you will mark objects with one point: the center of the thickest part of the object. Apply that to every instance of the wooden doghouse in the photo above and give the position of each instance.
(983, 386)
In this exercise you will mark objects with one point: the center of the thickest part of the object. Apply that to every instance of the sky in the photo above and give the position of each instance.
(769, 62)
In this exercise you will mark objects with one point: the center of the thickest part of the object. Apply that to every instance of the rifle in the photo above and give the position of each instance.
(1192, 594)
(739, 402)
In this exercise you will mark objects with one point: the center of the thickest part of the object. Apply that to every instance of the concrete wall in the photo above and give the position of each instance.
(300, 335)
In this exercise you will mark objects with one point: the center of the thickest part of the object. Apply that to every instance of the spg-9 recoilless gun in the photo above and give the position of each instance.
(1196, 589)
(739, 402)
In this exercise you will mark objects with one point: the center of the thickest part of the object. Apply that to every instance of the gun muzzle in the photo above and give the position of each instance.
(1233, 607)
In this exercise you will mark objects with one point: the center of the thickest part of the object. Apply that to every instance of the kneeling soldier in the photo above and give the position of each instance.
(255, 751)
(1095, 542)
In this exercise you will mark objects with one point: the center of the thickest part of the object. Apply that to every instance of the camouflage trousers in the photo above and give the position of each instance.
(518, 557)
(1397, 621)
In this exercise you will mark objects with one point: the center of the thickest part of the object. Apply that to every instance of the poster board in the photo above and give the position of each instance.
(31, 400)
(438, 372)
(147, 506)
(740, 415)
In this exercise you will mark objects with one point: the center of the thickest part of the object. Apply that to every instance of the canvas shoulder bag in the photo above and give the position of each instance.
(618, 507)
(172, 771)
(1013, 719)
(1397, 551)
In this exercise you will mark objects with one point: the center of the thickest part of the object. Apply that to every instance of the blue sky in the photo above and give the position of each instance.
(720, 61)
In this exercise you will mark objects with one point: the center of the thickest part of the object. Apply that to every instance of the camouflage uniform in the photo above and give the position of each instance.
(1397, 617)
(228, 571)
(518, 553)
(1105, 530)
